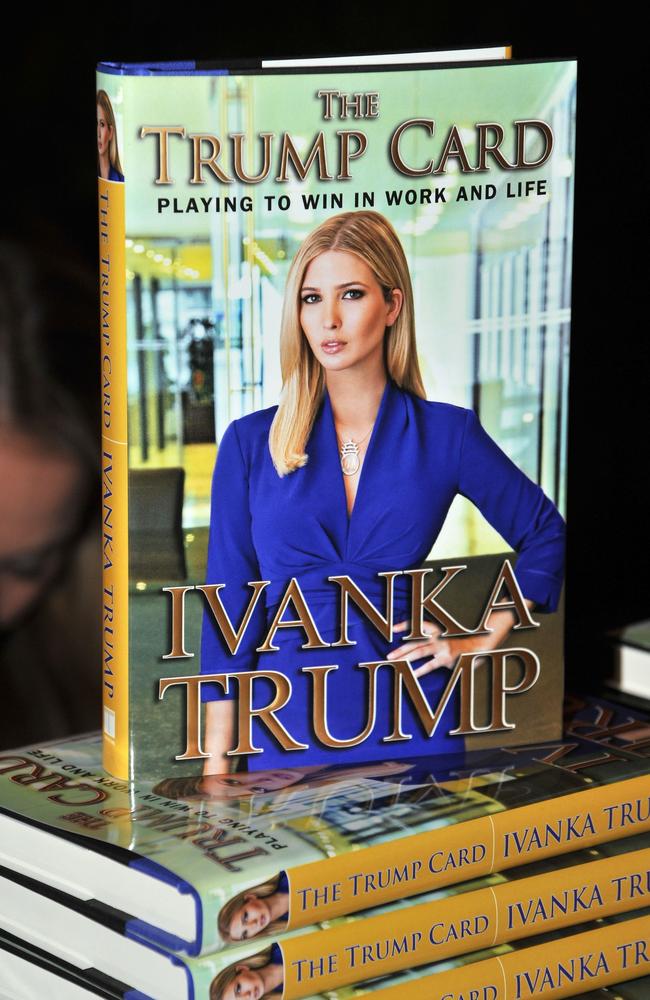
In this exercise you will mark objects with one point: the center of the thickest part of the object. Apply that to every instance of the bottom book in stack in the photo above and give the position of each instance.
(450, 929)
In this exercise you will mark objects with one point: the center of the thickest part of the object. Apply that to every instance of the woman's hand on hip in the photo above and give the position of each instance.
(438, 652)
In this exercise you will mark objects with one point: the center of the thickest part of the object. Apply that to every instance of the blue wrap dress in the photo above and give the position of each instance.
(420, 455)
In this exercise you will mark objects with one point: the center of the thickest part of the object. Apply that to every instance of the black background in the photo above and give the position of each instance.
(49, 192)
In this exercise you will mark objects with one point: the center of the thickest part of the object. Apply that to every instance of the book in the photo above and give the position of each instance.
(375, 567)
(27, 972)
(489, 912)
(613, 952)
(631, 659)
(183, 861)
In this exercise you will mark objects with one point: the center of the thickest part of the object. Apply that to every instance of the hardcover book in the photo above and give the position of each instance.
(605, 961)
(351, 287)
(199, 865)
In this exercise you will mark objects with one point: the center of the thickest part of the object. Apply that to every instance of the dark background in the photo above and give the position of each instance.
(49, 192)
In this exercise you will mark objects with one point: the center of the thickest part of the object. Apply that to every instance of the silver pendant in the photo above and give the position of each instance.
(350, 461)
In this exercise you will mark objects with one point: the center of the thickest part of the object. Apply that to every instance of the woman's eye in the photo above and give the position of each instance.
(230, 781)
(245, 917)
(30, 567)
(309, 298)
(244, 935)
(353, 293)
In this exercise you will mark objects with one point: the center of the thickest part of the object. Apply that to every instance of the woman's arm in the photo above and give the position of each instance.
(529, 522)
(445, 652)
(519, 510)
(219, 736)
(232, 562)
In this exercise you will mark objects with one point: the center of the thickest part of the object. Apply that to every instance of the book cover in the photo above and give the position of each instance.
(353, 289)
(200, 865)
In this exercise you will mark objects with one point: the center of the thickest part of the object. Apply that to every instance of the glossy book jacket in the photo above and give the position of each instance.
(283, 587)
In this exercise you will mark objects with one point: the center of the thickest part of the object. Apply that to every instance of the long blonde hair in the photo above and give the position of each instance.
(370, 237)
(104, 101)
(227, 976)
(229, 909)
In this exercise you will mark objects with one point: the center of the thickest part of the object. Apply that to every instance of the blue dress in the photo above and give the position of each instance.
(264, 527)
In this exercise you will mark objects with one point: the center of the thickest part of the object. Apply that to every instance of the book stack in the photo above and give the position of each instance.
(520, 872)
(333, 760)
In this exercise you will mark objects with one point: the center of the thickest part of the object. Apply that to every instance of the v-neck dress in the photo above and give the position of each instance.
(266, 527)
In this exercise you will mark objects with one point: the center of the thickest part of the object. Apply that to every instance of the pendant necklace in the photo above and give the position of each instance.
(351, 455)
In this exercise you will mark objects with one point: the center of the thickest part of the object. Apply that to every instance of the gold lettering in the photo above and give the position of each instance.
(349, 589)
(420, 603)
(178, 623)
(290, 153)
(232, 638)
(516, 603)
(500, 689)
(487, 148)
(163, 132)
(294, 594)
(396, 155)
(546, 131)
(405, 678)
(266, 715)
(14, 763)
(193, 746)
(238, 157)
(346, 155)
(321, 727)
(454, 147)
(210, 160)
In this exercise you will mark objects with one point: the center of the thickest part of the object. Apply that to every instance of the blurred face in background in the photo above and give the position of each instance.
(43, 492)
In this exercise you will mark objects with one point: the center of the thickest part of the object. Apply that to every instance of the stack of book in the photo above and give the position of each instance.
(522, 872)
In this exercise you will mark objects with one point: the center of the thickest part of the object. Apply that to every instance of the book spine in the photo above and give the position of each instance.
(423, 862)
(115, 562)
(567, 966)
(468, 921)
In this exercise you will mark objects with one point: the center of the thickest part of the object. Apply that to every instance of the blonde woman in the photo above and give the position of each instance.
(256, 977)
(263, 909)
(108, 157)
(353, 474)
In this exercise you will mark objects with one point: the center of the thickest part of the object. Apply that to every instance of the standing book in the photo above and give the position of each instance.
(352, 286)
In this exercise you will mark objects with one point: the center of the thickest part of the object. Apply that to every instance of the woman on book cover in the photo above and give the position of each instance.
(257, 977)
(353, 475)
(108, 157)
(262, 909)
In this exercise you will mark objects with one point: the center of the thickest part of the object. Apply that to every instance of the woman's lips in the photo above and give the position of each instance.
(332, 346)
